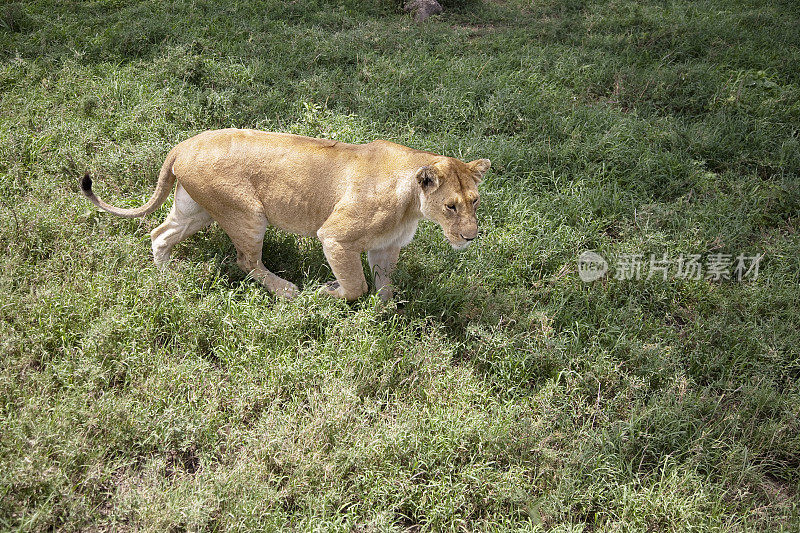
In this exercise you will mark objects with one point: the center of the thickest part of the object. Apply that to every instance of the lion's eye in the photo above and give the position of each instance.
(451, 207)
(475, 201)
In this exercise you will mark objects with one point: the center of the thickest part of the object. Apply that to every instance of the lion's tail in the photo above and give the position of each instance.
(166, 180)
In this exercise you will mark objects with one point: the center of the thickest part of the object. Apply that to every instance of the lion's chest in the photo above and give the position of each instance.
(398, 236)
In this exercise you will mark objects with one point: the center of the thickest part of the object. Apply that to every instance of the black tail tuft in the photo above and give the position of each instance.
(86, 185)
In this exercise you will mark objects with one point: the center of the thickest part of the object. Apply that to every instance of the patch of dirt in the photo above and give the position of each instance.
(182, 461)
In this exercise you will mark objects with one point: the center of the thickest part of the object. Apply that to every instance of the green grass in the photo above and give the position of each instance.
(501, 393)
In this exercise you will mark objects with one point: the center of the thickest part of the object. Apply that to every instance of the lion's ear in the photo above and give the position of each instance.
(427, 178)
(479, 168)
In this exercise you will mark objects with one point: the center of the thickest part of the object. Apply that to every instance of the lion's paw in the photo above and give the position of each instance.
(286, 290)
(332, 288)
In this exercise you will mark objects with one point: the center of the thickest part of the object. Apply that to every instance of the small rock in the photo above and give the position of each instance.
(422, 9)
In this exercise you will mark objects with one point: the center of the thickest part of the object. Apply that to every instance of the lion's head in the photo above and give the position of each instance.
(450, 197)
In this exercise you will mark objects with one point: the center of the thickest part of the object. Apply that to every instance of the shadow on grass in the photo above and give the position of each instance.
(488, 332)
(293, 258)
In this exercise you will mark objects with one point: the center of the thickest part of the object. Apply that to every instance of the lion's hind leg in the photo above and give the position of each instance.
(246, 229)
(185, 219)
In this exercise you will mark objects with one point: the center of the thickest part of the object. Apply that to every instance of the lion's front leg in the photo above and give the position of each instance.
(346, 265)
(382, 263)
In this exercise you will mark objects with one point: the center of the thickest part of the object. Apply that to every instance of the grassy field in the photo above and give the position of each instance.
(498, 392)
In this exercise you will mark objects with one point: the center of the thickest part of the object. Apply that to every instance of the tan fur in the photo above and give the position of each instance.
(354, 198)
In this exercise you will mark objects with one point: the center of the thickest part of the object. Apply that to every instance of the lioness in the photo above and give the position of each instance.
(354, 198)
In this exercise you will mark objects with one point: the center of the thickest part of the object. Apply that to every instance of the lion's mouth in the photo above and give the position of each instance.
(459, 243)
